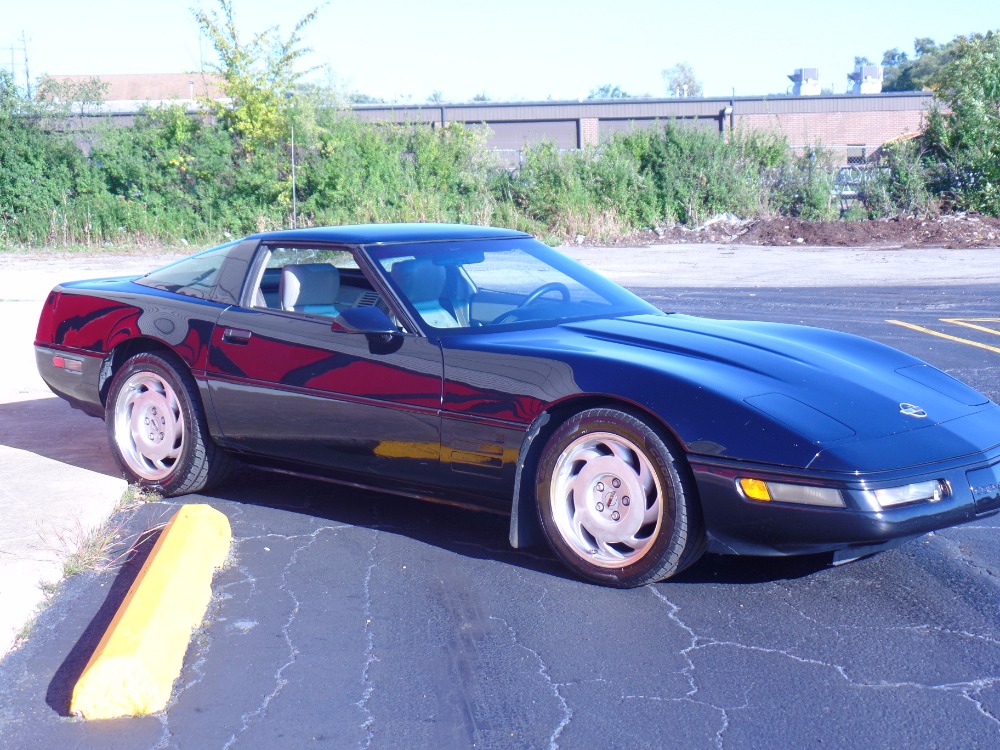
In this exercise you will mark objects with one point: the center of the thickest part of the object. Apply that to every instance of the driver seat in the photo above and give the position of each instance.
(422, 283)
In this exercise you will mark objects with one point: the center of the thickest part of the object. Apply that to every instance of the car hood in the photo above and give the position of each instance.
(826, 388)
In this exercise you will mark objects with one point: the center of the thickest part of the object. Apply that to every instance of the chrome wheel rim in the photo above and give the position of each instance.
(149, 426)
(607, 502)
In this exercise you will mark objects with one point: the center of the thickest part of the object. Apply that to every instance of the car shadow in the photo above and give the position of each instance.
(745, 569)
(470, 533)
(49, 428)
(473, 534)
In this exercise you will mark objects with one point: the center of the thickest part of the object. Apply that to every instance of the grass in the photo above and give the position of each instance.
(123, 249)
(98, 549)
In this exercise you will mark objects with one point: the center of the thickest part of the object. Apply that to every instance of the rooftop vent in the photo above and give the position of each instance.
(806, 82)
(867, 79)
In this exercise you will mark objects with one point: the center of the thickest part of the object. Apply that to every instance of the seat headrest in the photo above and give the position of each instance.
(308, 284)
(419, 280)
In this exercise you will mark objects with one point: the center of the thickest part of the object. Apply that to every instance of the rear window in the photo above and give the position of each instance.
(195, 276)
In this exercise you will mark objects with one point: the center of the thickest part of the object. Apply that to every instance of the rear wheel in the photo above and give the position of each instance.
(615, 501)
(157, 429)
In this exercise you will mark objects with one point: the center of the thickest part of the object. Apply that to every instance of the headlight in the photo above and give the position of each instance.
(800, 494)
(931, 491)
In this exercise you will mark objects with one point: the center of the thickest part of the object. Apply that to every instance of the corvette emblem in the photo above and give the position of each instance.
(911, 410)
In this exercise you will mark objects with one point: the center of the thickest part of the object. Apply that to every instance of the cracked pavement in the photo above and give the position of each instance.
(349, 619)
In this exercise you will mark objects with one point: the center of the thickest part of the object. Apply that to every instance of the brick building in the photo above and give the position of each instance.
(852, 126)
(127, 94)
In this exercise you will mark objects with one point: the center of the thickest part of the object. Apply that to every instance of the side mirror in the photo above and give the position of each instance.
(367, 320)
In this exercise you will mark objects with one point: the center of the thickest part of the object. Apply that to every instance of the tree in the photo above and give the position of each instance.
(482, 96)
(436, 97)
(967, 139)
(61, 96)
(257, 76)
(608, 91)
(680, 81)
(903, 73)
(359, 98)
(924, 45)
(894, 58)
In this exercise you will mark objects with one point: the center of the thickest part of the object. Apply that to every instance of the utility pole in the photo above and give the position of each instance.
(23, 49)
(295, 199)
(27, 77)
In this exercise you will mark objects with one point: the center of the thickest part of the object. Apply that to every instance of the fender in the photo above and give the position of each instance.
(525, 531)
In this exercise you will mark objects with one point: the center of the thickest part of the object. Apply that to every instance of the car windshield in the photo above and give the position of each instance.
(475, 283)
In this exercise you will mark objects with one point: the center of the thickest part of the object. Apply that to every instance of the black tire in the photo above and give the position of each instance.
(591, 472)
(157, 430)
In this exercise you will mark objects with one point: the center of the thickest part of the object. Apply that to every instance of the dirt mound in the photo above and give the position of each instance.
(955, 231)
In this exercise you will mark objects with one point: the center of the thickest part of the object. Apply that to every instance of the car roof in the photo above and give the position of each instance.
(376, 234)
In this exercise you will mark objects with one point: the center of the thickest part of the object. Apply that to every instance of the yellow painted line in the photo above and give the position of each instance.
(133, 669)
(944, 335)
(971, 323)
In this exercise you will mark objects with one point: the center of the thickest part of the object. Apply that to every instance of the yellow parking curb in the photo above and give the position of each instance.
(133, 669)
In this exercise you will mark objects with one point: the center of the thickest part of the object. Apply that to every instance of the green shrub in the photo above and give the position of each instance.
(173, 175)
(964, 144)
(361, 172)
(805, 187)
(48, 189)
(901, 184)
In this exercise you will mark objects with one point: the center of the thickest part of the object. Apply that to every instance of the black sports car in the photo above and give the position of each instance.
(478, 366)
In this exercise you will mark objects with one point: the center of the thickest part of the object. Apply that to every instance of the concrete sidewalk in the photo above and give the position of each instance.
(57, 477)
(58, 480)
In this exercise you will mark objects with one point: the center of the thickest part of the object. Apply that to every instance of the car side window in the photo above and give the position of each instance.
(305, 280)
(314, 281)
(195, 276)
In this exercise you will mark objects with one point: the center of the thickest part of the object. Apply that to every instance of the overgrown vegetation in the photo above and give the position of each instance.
(964, 143)
(98, 548)
(227, 172)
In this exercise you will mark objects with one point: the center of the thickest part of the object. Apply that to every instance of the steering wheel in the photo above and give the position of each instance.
(551, 286)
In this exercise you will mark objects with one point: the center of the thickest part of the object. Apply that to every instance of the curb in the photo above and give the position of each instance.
(133, 669)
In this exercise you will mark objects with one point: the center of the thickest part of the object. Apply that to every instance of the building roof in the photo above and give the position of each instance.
(134, 90)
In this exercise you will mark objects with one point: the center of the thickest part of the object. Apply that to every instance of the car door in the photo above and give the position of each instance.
(284, 383)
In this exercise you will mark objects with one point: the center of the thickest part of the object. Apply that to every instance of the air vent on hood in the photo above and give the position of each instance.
(943, 383)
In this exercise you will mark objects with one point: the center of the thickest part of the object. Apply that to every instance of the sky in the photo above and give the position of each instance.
(404, 50)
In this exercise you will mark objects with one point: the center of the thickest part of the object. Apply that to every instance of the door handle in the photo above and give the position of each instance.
(236, 336)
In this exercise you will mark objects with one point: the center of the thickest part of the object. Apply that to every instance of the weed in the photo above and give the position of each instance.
(136, 495)
(97, 549)
(901, 185)
(88, 550)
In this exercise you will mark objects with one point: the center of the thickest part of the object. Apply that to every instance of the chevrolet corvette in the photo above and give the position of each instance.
(478, 366)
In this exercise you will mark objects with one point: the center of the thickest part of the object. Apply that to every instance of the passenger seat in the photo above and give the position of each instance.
(310, 288)
(422, 283)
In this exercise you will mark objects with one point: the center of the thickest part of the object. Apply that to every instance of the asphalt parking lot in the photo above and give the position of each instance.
(348, 619)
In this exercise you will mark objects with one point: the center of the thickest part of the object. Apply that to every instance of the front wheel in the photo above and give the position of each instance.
(615, 502)
(157, 429)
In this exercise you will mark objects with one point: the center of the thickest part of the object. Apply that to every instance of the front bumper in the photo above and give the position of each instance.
(737, 525)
